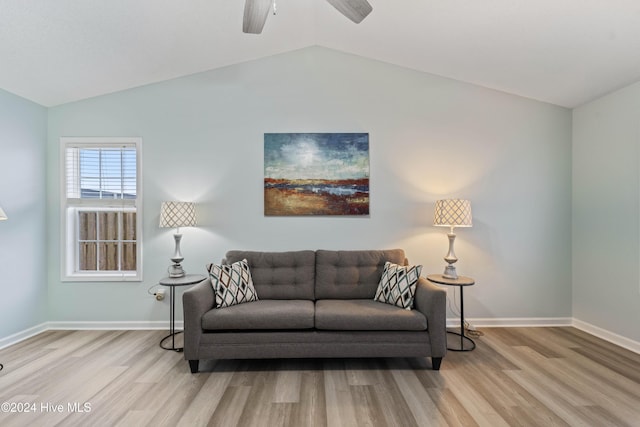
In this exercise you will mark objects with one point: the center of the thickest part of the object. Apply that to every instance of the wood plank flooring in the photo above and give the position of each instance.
(515, 377)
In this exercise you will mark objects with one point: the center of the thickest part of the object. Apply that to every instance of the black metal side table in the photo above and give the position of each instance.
(172, 282)
(461, 281)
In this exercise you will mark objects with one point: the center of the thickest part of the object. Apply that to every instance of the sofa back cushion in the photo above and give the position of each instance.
(351, 274)
(280, 275)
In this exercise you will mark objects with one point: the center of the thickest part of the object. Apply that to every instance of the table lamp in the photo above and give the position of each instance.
(3, 215)
(452, 213)
(177, 214)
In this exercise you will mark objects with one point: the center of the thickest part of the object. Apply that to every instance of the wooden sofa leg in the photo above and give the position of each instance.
(193, 364)
(435, 363)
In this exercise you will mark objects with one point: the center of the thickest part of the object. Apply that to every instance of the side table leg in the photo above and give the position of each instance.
(172, 323)
(172, 326)
(463, 337)
(461, 317)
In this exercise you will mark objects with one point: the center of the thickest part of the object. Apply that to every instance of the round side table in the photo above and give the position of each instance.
(172, 282)
(461, 281)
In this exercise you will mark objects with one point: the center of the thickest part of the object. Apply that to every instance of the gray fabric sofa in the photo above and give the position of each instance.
(315, 304)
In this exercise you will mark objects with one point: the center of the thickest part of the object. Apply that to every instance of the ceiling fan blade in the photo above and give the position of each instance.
(255, 15)
(356, 10)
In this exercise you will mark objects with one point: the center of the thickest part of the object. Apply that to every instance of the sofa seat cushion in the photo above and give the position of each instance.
(262, 314)
(366, 315)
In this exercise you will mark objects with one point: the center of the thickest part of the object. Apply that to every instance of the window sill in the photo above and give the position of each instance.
(102, 278)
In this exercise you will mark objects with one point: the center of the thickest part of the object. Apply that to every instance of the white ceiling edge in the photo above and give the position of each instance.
(562, 52)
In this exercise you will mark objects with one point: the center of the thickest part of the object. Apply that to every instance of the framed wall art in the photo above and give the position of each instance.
(316, 174)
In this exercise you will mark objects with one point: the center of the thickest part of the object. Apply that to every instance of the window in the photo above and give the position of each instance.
(101, 209)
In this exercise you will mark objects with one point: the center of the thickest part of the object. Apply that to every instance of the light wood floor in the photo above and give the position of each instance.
(515, 377)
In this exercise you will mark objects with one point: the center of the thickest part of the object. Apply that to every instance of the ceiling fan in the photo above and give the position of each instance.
(256, 11)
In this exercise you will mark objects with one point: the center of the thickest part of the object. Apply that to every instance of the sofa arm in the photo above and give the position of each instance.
(196, 301)
(431, 300)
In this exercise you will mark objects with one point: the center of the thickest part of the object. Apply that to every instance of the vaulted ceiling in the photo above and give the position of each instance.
(564, 52)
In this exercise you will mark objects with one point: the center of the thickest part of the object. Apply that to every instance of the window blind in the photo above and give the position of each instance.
(107, 173)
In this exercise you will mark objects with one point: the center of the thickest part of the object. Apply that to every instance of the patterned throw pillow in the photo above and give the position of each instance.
(398, 284)
(232, 283)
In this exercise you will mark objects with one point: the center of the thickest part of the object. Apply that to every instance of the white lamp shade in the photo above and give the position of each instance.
(3, 215)
(453, 213)
(178, 214)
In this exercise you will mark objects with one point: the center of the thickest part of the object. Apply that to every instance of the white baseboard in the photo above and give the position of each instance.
(114, 325)
(22, 335)
(614, 338)
(611, 337)
(451, 323)
(79, 326)
(512, 322)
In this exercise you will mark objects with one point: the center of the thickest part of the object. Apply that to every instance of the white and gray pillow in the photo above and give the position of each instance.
(398, 285)
(232, 283)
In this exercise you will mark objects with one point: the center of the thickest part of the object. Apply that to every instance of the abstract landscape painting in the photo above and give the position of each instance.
(316, 174)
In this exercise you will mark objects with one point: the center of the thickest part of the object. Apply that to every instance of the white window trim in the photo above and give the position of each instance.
(68, 234)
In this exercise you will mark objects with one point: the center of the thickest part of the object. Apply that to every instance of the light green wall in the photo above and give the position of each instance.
(606, 241)
(430, 138)
(23, 287)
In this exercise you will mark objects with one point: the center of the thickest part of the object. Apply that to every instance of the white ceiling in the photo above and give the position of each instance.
(564, 52)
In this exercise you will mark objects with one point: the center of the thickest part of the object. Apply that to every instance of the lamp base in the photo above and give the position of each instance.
(176, 271)
(450, 272)
(450, 258)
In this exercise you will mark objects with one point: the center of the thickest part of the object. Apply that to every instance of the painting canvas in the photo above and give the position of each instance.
(316, 174)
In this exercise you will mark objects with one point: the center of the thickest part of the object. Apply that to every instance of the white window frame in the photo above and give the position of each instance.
(69, 209)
